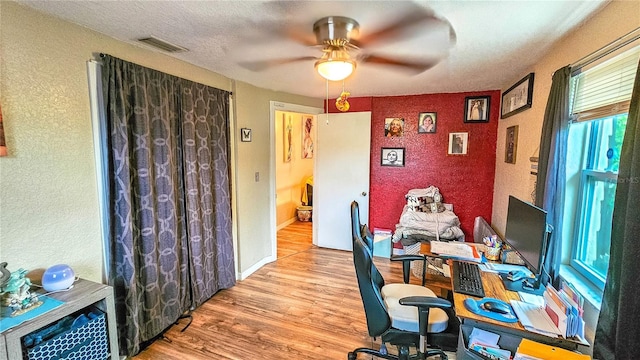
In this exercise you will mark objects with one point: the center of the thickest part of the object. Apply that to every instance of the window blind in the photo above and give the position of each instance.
(605, 90)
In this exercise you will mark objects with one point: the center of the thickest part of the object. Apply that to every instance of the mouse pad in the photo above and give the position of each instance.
(476, 307)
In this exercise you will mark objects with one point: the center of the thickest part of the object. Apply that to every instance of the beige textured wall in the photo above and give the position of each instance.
(253, 197)
(290, 176)
(616, 19)
(48, 199)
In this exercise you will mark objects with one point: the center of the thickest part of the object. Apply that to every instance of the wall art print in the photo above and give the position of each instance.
(288, 137)
(307, 137)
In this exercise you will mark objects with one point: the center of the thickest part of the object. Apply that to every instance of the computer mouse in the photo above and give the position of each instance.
(515, 275)
(497, 307)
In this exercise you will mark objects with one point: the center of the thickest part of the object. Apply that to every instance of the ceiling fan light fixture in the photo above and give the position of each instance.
(335, 65)
(335, 70)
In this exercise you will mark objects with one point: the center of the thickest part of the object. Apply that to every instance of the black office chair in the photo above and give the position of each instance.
(399, 313)
(358, 230)
(403, 315)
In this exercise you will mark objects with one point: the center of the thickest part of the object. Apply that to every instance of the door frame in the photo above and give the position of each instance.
(273, 107)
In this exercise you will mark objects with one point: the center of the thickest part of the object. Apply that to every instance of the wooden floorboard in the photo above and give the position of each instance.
(305, 305)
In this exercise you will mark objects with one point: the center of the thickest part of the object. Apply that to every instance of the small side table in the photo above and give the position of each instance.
(84, 293)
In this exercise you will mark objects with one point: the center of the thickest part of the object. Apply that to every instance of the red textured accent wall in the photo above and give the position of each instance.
(466, 181)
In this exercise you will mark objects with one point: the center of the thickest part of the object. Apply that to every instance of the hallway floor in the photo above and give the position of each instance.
(295, 238)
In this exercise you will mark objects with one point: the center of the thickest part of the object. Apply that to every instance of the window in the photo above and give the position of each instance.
(600, 103)
(596, 195)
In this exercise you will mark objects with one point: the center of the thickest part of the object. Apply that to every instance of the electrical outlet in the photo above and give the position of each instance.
(257, 176)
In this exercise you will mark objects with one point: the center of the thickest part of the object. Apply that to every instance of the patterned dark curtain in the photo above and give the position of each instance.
(208, 200)
(551, 178)
(170, 217)
(619, 320)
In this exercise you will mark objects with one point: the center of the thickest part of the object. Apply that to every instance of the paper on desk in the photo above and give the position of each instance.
(455, 249)
(531, 298)
(503, 268)
(535, 319)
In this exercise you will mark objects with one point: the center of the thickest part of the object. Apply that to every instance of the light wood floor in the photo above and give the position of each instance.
(305, 305)
(295, 238)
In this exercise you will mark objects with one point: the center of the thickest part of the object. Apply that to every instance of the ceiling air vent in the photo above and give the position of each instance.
(162, 45)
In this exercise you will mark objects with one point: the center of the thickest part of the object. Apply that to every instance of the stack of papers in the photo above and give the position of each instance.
(559, 314)
(455, 250)
(486, 343)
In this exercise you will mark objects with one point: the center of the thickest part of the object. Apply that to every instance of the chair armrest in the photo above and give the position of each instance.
(424, 303)
(406, 265)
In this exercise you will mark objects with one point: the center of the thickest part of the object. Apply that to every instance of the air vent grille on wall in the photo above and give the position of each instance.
(162, 45)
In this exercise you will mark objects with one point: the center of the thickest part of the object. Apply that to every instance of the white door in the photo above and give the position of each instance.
(341, 175)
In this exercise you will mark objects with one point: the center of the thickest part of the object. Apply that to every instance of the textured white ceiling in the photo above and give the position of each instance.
(497, 41)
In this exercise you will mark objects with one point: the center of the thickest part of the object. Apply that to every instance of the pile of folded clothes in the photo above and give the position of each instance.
(426, 218)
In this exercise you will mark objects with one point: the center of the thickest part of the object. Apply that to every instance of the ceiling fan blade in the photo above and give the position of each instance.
(413, 66)
(422, 16)
(264, 64)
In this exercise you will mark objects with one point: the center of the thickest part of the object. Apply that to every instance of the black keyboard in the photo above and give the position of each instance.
(467, 279)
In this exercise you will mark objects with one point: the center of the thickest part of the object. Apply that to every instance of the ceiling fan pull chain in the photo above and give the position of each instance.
(326, 107)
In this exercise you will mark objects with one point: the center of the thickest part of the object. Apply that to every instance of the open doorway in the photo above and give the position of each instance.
(292, 161)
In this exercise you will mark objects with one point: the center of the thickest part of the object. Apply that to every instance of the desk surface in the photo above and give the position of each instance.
(493, 287)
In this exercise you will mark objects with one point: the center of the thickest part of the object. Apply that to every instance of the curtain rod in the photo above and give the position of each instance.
(607, 49)
(103, 55)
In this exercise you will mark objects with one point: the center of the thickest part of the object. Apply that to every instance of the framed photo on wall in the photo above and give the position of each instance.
(245, 135)
(392, 157)
(427, 123)
(511, 145)
(393, 127)
(458, 143)
(518, 97)
(476, 109)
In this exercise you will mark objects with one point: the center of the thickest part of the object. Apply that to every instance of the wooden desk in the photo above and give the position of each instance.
(493, 287)
(435, 282)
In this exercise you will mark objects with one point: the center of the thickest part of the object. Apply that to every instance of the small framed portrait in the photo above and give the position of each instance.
(245, 135)
(392, 157)
(393, 127)
(476, 109)
(458, 143)
(511, 145)
(427, 123)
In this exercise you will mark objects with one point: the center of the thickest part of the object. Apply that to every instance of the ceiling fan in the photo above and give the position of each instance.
(343, 48)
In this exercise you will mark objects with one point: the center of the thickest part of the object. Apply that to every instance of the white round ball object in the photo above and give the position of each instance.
(58, 277)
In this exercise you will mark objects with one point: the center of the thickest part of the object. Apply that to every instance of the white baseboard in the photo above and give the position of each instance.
(245, 274)
(287, 223)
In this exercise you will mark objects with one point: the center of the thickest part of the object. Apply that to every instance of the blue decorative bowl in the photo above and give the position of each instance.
(58, 277)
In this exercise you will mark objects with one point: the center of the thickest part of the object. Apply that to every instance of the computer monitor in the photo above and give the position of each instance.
(527, 233)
